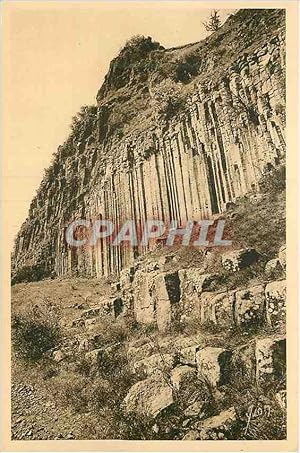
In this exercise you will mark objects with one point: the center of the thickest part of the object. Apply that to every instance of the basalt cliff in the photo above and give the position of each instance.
(160, 342)
(176, 134)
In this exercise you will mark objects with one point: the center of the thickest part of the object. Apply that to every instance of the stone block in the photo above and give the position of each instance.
(250, 306)
(167, 297)
(275, 294)
(238, 259)
(214, 365)
(144, 303)
(217, 308)
(192, 283)
(270, 354)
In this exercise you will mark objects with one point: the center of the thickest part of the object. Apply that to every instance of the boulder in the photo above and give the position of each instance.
(214, 365)
(91, 313)
(238, 259)
(89, 343)
(104, 310)
(272, 266)
(85, 345)
(182, 375)
(94, 357)
(116, 286)
(249, 306)
(218, 427)
(275, 294)
(152, 266)
(149, 397)
(270, 354)
(187, 356)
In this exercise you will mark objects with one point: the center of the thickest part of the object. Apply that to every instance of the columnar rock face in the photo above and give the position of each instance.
(188, 167)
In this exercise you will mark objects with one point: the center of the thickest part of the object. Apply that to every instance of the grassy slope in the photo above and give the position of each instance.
(51, 399)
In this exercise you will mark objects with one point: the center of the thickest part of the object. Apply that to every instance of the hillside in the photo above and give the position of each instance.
(81, 346)
(160, 341)
(203, 123)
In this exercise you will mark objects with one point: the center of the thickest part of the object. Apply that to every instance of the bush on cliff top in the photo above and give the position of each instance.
(140, 45)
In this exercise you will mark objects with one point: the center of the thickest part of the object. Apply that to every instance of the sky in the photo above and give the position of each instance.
(55, 58)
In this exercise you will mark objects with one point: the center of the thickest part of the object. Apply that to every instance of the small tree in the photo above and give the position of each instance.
(214, 22)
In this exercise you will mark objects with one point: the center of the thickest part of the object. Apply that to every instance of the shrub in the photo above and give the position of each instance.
(187, 69)
(140, 45)
(273, 180)
(131, 426)
(167, 99)
(30, 274)
(83, 119)
(34, 333)
(69, 389)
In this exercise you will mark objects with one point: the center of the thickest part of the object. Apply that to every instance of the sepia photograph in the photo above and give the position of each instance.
(145, 198)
